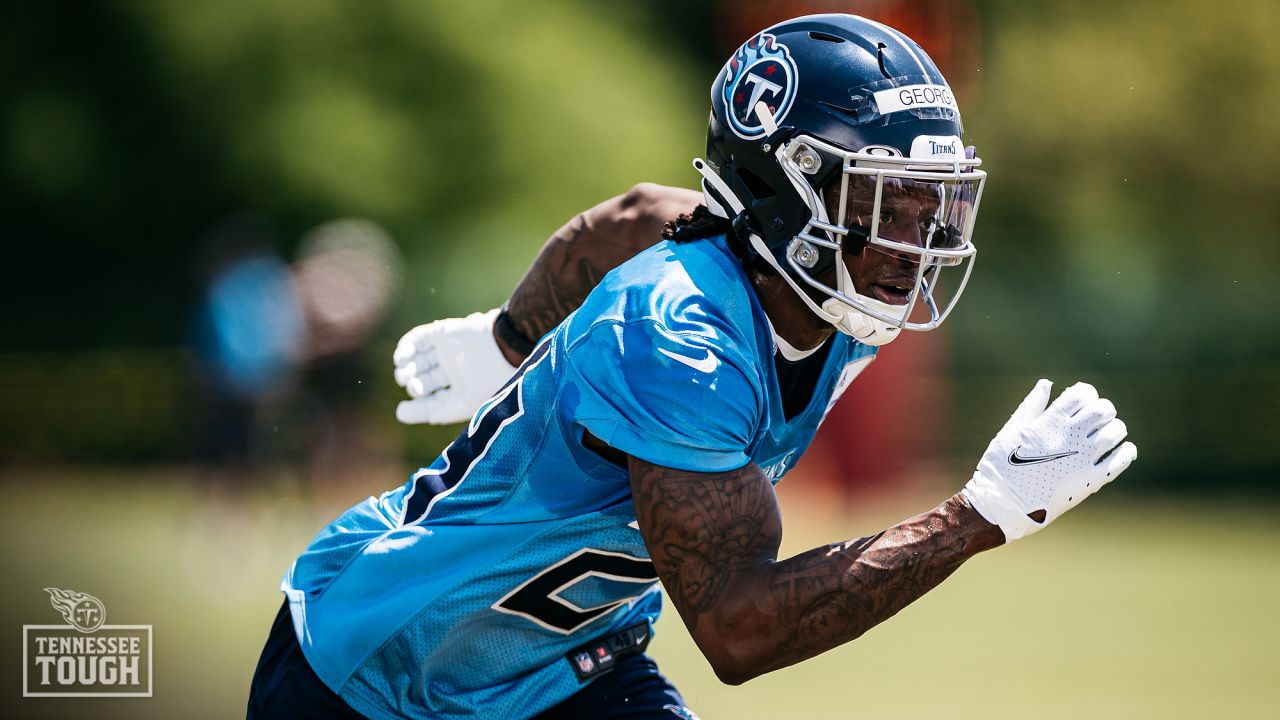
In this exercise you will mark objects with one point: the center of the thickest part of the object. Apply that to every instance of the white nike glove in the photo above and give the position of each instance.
(1050, 459)
(449, 367)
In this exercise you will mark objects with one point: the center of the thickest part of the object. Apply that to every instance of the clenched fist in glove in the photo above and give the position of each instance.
(449, 368)
(1045, 460)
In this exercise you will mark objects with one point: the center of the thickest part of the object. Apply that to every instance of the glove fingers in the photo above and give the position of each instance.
(1031, 406)
(448, 367)
(1095, 416)
(407, 347)
(414, 412)
(433, 411)
(1120, 461)
(1074, 398)
(423, 375)
(404, 352)
(405, 373)
(1035, 401)
(1108, 437)
(410, 412)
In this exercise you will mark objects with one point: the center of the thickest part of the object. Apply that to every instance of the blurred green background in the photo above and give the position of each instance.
(1127, 237)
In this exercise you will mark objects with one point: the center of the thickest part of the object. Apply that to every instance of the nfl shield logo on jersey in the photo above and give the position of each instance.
(585, 663)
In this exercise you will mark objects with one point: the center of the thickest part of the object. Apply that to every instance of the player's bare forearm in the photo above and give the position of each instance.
(833, 594)
(574, 259)
(714, 540)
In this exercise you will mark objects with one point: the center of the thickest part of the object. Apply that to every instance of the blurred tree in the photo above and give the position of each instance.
(1127, 231)
(1130, 208)
(1126, 234)
(128, 129)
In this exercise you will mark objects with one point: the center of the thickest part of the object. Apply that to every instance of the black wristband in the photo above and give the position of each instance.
(514, 339)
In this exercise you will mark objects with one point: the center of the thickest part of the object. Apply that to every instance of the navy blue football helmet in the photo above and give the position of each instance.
(818, 124)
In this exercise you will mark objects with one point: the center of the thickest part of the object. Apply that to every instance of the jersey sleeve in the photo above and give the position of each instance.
(689, 401)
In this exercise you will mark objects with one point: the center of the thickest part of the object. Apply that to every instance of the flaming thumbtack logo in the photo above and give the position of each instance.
(82, 611)
(760, 71)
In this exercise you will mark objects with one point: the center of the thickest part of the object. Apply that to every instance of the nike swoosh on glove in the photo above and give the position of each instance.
(449, 368)
(1048, 458)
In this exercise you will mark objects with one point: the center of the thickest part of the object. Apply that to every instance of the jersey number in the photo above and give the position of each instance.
(539, 599)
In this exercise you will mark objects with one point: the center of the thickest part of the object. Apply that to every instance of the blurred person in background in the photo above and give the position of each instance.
(248, 334)
(274, 340)
(640, 439)
(346, 274)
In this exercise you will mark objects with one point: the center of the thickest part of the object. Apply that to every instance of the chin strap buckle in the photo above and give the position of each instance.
(744, 228)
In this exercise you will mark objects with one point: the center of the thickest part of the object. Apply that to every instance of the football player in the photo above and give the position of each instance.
(639, 439)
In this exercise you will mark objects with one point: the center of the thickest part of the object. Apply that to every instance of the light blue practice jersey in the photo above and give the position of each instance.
(461, 592)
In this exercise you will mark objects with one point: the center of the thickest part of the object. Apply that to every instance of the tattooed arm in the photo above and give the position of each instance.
(574, 259)
(450, 366)
(714, 540)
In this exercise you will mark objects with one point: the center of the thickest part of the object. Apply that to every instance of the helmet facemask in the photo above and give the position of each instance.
(878, 175)
(920, 213)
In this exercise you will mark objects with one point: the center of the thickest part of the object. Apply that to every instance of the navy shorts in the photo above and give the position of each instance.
(285, 686)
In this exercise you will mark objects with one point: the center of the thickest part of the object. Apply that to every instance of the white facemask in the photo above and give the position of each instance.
(846, 318)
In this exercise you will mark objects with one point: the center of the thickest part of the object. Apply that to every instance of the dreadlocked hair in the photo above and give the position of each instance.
(699, 224)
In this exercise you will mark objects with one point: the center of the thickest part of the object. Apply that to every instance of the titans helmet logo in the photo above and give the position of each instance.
(760, 71)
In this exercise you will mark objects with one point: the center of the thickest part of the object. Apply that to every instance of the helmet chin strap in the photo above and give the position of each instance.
(846, 318)
(867, 329)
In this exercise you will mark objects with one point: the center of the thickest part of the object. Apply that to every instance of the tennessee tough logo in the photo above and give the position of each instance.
(760, 71)
(86, 657)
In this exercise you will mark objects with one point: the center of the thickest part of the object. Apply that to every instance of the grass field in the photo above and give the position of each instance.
(1125, 609)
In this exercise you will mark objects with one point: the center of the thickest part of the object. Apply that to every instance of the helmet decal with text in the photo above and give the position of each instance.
(761, 70)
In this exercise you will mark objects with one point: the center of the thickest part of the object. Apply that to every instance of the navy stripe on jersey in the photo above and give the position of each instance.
(431, 484)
